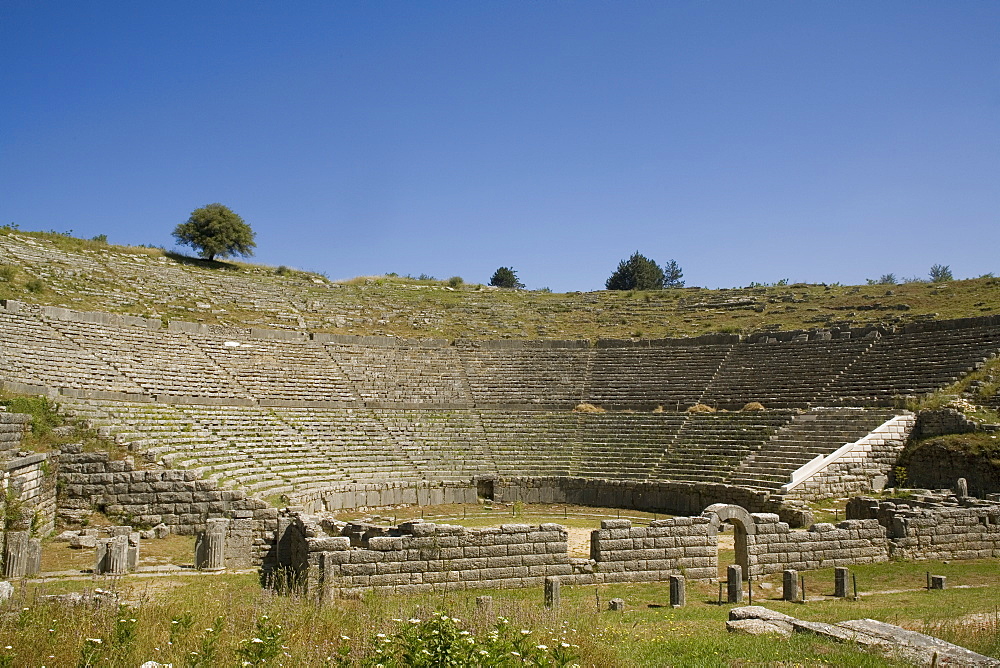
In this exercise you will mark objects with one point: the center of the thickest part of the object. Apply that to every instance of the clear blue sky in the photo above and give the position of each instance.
(750, 141)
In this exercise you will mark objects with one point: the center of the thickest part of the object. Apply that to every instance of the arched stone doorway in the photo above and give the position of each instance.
(743, 526)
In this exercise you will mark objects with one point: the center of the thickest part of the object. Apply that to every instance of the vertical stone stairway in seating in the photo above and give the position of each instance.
(818, 432)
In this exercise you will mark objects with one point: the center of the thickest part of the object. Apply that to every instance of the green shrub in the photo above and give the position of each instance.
(35, 285)
(7, 272)
(43, 415)
(455, 281)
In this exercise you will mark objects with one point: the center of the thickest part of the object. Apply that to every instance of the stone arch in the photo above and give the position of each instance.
(743, 526)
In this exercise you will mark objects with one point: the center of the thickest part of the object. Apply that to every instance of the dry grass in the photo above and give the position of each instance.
(753, 406)
(701, 408)
(587, 408)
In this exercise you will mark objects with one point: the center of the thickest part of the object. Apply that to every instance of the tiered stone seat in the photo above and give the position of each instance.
(624, 445)
(532, 442)
(284, 370)
(160, 432)
(818, 432)
(673, 377)
(158, 361)
(355, 441)
(781, 374)
(526, 375)
(402, 374)
(35, 353)
(253, 440)
(912, 364)
(709, 446)
(445, 445)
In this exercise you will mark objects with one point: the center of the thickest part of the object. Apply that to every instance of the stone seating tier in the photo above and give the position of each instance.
(270, 451)
(83, 354)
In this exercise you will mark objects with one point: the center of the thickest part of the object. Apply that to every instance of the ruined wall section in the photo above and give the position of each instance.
(773, 547)
(29, 479)
(936, 528)
(417, 556)
(89, 481)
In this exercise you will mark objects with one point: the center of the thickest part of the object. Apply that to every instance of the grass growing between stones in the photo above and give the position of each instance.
(91, 274)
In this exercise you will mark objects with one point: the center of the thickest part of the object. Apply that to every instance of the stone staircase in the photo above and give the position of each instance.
(818, 432)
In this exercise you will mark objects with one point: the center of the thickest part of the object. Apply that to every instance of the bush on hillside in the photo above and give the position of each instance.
(506, 277)
(753, 406)
(587, 408)
(701, 408)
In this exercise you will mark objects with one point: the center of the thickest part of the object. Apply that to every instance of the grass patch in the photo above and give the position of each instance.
(174, 616)
(985, 444)
(49, 429)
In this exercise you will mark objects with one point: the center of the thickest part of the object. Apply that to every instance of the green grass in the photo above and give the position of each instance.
(643, 635)
(984, 444)
(45, 417)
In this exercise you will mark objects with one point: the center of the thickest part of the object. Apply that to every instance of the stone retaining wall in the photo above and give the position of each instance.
(89, 481)
(32, 480)
(674, 498)
(383, 494)
(12, 429)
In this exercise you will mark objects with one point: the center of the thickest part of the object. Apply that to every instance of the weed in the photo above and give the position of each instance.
(264, 646)
(35, 285)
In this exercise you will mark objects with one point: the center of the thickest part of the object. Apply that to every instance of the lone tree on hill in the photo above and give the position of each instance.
(672, 275)
(640, 273)
(214, 231)
(506, 277)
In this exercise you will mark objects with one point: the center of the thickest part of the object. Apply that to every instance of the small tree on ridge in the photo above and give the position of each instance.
(506, 277)
(940, 273)
(214, 231)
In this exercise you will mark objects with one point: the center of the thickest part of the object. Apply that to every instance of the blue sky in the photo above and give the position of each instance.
(750, 141)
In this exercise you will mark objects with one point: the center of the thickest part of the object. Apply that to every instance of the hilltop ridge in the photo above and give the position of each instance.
(54, 269)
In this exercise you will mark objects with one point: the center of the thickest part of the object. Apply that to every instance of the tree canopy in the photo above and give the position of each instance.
(214, 231)
(940, 273)
(506, 277)
(640, 273)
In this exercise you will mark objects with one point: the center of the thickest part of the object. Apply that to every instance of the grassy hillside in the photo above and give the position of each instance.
(56, 269)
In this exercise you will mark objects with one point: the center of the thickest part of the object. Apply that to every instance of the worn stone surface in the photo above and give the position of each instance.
(869, 634)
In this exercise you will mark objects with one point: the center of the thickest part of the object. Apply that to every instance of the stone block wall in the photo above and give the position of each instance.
(935, 466)
(943, 421)
(417, 556)
(12, 429)
(677, 546)
(389, 493)
(32, 480)
(90, 481)
(936, 528)
(772, 547)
